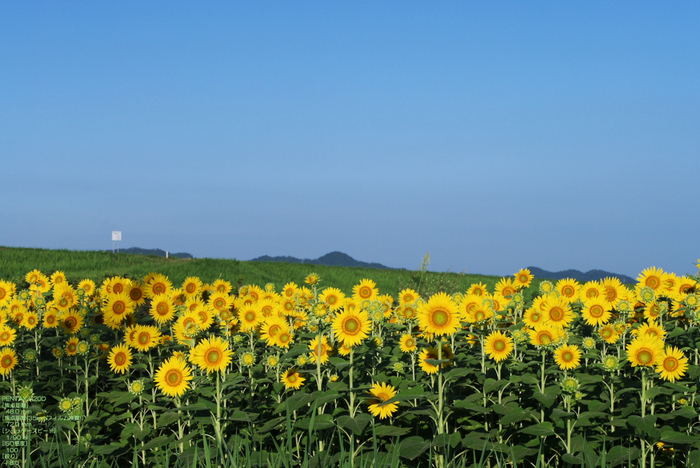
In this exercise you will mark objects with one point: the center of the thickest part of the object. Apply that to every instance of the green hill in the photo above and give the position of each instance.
(16, 262)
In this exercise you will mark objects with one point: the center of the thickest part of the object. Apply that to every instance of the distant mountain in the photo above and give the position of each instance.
(330, 259)
(157, 252)
(591, 275)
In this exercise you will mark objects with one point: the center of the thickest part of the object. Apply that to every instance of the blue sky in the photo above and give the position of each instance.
(496, 135)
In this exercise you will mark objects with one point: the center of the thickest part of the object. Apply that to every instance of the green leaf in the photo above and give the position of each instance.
(491, 385)
(324, 397)
(457, 372)
(540, 430)
(472, 407)
(620, 454)
(298, 400)
(673, 437)
(339, 363)
(160, 441)
(546, 400)
(357, 424)
(645, 425)
(321, 421)
(391, 431)
(530, 379)
(124, 398)
(167, 418)
(271, 424)
(569, 458)
(513, 416)
(105, 449)
(412, 447)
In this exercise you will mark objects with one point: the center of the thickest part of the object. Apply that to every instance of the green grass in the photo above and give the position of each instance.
(16, 262)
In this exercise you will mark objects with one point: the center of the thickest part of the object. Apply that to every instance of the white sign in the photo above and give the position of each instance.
(116, 236)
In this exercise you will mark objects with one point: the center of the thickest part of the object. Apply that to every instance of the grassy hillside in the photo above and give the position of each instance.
(97, 265)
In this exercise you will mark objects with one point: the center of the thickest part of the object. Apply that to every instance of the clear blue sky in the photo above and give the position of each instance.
(495, 135)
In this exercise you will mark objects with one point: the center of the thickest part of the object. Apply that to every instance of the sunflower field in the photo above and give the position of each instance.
(142, 372)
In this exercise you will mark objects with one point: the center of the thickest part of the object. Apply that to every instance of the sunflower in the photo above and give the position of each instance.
(7, 335)
(567, 356)
(568, 288)
(325, 349)
(672, 364)
(117, 307)
(480, 313)
(523, 278)
(271, 327)
(192, 286)
(72, 346)
(284, 338)
(291, 378)
(173, 376)
(544, 335)
(506, 287)
(366, 290)
(431, 353)
(250, 317)
(439, 316)
(645, 351)
(186, 328)
(30, 320)
(533, 317)
(88, 286)
(289, 290)
(205, 316)
(653, 278)
(608, 333)
(135, 292)
(50, 319)
(162, 309)
(498, 346)
(558, 312)
(351, 327)
(221, 286)
(7, 289)
(146, 337)
(613, 290)
(333, 297)
(212, 354)
(270, 308)
(157, 284)
(377, 405)
(312, 278)
(651, 329)
(588, 343)
(407, 343)
(220, 301)
(596, 311)
(8, 360)
(408, 296)
(247, 359)
(71, 322)
(478, 289)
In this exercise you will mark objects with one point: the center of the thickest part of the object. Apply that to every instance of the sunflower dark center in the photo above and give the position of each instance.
(567, 356)
(213, 356)
(555, 313)
(499, 345)
(644, 356)
(173, 377)
(120, 359)
(670, 363)
(440, 317)
(144, 338)
(351, 325)
(6, 361)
